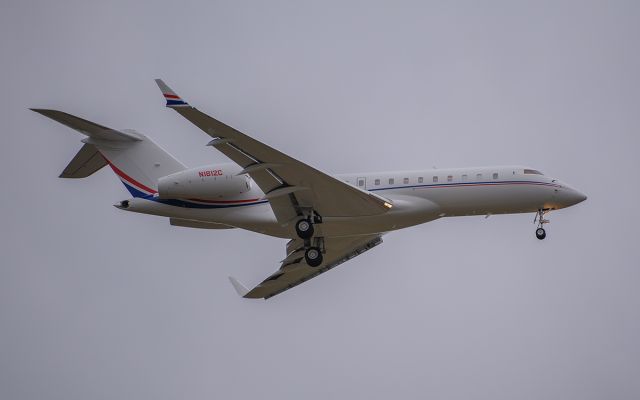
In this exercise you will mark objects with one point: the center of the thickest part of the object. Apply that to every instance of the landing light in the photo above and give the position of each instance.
(388, 205)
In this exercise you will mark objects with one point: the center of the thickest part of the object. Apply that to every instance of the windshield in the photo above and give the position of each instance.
(532, 172)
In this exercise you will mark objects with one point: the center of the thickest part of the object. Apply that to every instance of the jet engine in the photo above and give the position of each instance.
(210, 182)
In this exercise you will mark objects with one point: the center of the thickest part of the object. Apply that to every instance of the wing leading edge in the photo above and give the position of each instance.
(290, 186)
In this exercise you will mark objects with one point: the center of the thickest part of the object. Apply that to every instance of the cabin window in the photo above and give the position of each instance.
(435, 179)
(420, 179)
(479, 176)
(390, 181)
(405, 181)
(376, 182)
(495, 175)
(450, 178)
(532, 172)
(361, 182)
(464, 177)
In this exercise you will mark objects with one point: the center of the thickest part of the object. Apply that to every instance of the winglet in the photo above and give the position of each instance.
(173, 100)
(239, 287)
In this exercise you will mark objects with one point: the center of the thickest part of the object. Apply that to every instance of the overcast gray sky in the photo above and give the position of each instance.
(96, 303)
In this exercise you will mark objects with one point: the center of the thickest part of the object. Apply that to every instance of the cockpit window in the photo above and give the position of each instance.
(532, 172)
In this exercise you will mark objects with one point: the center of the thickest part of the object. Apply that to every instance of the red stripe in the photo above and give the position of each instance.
(141, 186)
(128, 178)
(171, 96)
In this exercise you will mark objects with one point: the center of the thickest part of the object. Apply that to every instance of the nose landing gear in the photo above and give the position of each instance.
(540, 232)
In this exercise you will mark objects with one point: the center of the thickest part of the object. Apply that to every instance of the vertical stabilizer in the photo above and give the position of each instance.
(137, 160)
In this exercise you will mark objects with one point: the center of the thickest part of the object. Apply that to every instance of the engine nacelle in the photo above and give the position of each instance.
(210, 182)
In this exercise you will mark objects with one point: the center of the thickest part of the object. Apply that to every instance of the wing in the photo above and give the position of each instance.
(294, 270)
(292, 187)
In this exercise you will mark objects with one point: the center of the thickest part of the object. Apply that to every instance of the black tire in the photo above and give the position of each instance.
(313, 256)
(540, 233)
(304, 229)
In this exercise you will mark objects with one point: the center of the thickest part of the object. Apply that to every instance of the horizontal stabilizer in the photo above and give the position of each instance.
(86, 162)
(91, 129)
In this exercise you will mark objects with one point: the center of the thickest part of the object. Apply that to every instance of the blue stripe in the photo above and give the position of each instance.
(184, 203)
(175, 103)
(135, 192)
(465, 184)
(189, 204)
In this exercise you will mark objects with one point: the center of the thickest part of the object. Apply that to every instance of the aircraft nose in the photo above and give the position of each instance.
(576, 196)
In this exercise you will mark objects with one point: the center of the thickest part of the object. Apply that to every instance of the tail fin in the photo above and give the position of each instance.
(136, 159)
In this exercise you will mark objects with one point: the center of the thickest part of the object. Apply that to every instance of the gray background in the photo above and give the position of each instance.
(96, 303)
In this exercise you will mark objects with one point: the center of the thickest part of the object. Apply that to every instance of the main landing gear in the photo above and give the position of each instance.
(313, 256)
(540, 232)
(304, 228)
(305, 231)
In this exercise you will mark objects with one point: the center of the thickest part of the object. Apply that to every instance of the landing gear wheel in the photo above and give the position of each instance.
(540, 232)
(313, 256)
(304, 229)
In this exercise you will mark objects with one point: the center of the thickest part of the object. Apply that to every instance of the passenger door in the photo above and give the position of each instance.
(361, 183)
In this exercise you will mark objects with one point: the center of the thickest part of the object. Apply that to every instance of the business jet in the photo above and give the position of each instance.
(327, 219)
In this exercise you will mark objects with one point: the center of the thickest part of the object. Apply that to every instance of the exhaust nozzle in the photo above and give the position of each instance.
(123, 205)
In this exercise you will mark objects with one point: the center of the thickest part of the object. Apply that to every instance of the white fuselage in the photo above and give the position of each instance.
(416, 196)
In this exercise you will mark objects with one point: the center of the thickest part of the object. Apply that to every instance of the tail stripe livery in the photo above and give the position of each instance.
(138, 189)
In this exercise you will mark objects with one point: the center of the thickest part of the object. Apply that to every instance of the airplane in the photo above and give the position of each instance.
(327, 219)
